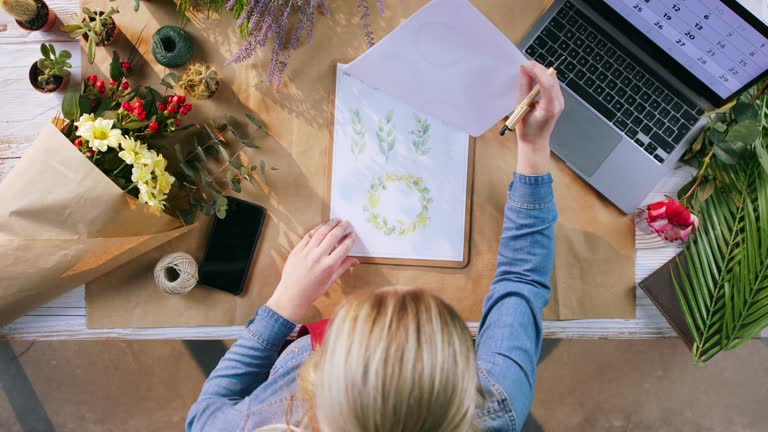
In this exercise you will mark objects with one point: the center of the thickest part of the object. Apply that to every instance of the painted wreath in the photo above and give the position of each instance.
(399, 227)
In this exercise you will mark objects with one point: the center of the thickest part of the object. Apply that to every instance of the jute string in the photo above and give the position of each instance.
(176, 273)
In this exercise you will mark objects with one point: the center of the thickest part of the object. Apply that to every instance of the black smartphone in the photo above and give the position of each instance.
(231, 244)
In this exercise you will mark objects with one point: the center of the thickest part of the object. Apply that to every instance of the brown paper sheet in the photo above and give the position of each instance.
(63, 223)
(594, 264)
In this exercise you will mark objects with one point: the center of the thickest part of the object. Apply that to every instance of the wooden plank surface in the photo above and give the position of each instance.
(24, 111)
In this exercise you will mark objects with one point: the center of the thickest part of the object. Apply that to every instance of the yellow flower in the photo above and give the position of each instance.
(130, 147)
(159, 164)
(99, 134)
(147, 196)
(164, 182)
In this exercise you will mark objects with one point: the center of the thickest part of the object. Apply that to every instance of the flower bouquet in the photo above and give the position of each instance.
(88, 196)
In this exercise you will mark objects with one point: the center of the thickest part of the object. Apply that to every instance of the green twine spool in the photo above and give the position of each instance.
(171, 46)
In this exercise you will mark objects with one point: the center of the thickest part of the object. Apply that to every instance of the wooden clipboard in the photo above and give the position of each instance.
(400, 261)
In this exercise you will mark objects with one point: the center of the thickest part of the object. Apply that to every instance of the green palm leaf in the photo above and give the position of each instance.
(721, 279)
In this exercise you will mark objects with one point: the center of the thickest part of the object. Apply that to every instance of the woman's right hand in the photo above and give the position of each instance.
(312, 267)
(535, 129)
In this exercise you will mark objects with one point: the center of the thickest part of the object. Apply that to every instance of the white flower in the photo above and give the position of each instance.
(84, 119)
(100, 134)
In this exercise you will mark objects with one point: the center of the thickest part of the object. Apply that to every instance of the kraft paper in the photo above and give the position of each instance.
(594, 263)
(63, 223)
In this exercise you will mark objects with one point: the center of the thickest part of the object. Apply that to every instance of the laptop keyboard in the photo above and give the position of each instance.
(616, 84)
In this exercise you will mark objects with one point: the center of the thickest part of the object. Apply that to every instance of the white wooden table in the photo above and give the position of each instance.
(23, 111)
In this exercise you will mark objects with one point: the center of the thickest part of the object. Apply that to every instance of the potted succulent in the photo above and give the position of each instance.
(200, 81)
(31, 15)
(97, 28)
(50, 73)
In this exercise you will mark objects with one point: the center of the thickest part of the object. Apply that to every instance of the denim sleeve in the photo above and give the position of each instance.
(241, 371)
(510, 333)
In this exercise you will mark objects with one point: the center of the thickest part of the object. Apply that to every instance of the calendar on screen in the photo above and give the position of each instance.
(709, 39)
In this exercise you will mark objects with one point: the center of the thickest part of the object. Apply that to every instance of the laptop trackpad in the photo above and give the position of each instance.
(581, 138)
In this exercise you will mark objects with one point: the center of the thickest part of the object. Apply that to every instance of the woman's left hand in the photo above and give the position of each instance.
(312, 267)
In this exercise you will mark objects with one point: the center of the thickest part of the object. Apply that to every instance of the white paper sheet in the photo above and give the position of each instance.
(448, 61)
(399, 177)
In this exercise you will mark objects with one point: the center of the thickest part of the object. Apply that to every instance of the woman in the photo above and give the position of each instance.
(400, 359)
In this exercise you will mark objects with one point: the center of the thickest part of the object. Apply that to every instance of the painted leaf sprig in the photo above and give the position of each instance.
(385, 135)
(359, 141)
(399, 227)
(421, 136)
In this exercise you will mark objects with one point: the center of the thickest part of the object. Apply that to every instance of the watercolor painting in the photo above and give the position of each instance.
(359, 142)
(399, 227)
(421, 135)
(398, 176)
(385, 135)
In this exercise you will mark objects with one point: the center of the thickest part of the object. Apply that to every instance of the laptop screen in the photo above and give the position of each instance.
(708, 38)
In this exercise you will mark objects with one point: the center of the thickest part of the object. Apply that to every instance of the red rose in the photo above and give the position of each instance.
(100, 86)
(162, 107)
(126, 106)
(178, 122)
(124, 85)
(671, 220)
(125, 65)
(112, 83)
(141, 115)
(90, 152)
(181, 100)
(172, 108)
(92, 79)
(78, 142)
(138, 104)
(153, 127)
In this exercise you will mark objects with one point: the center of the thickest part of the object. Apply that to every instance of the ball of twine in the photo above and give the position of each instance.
(171, 46)
(176, 273)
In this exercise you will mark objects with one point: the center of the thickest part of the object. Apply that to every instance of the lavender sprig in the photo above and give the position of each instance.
(268, 20)
(364, 19)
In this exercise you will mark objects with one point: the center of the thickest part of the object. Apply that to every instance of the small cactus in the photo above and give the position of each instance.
(200, 81)
(22, 10)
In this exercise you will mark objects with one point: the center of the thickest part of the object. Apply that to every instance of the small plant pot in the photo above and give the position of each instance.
(58, 83)
(45, 20)
(111, 33)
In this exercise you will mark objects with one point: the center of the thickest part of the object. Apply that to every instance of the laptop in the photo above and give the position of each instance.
(637, 75)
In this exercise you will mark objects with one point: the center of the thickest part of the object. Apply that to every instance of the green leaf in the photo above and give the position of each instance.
(263, 171)
(233, 181)
(236, 164)
(45, 51)
(744, 111)
(221, 207)
(256, 122)
(745, 132)
(135, 125)
(762, 156)
(115, 71)
(70, 106)
(726, 152)
(169, 80)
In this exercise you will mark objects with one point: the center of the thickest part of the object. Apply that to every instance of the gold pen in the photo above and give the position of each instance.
(525, 105)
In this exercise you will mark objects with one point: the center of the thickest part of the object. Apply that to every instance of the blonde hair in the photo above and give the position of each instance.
(397, 359)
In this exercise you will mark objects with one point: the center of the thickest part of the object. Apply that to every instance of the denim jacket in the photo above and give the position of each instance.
(253, 383)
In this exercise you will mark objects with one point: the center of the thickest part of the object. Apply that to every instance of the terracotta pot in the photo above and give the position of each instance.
(48, 24)
(33, 80)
